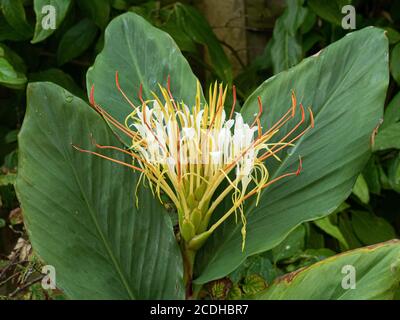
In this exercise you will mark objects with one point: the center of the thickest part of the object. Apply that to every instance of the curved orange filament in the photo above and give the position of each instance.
(294, 103)
(311, 117)
(108, 158)
(122, 92)
(234, 101)
(272, 151)
(108, 117)
(280, 123)
(260, 110)
(170, 93)
(289, 174)
(129, 153)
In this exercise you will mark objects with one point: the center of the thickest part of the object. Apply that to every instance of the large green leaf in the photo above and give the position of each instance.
(80, 210)
(142, 54)
(377, 276)
(345, 85)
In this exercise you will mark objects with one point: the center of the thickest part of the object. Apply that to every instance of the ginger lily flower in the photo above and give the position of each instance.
(188, 149)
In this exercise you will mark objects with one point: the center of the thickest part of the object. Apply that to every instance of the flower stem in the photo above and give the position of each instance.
(188, 256)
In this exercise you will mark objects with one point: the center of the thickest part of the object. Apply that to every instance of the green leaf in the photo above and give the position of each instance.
(76, 40)
(2, 221)
(320, 254)
(309, 21)
(219, 289)
(61, 8)
(395, 63)
(388, 138)
(346, 228)
(392, 112)
(7, 32)
(142, 54)
(98, 11)
(314, 238)
(329, 10)
(191, 22)
(377, 275)
(326, 225)
(80, 210)
(257, 264)
(383, 178)
(235, 293)
(253, 283)
(59, 77)
(12, 69)
(11, 136)
(173, 27)
(371, 229)
(340, 92)
(394, 173)
(286, 49)
(7, 179)
(371, 175)
(393, 35)
(13, 57)
(14, 12)
(360, 189)
(311, 39)
(293, 244)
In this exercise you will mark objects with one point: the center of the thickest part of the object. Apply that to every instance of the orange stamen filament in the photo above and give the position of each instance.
(108, 158)
(122, 92)
(234, 101)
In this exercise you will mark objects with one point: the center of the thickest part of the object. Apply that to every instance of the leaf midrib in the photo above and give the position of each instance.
(103, 238)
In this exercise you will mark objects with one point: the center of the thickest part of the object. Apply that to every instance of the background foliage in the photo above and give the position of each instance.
(299, 29)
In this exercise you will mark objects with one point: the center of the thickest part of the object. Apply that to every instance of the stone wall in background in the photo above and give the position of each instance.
(243, 26)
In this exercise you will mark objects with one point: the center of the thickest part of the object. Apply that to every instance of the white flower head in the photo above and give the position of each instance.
(188, 152)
